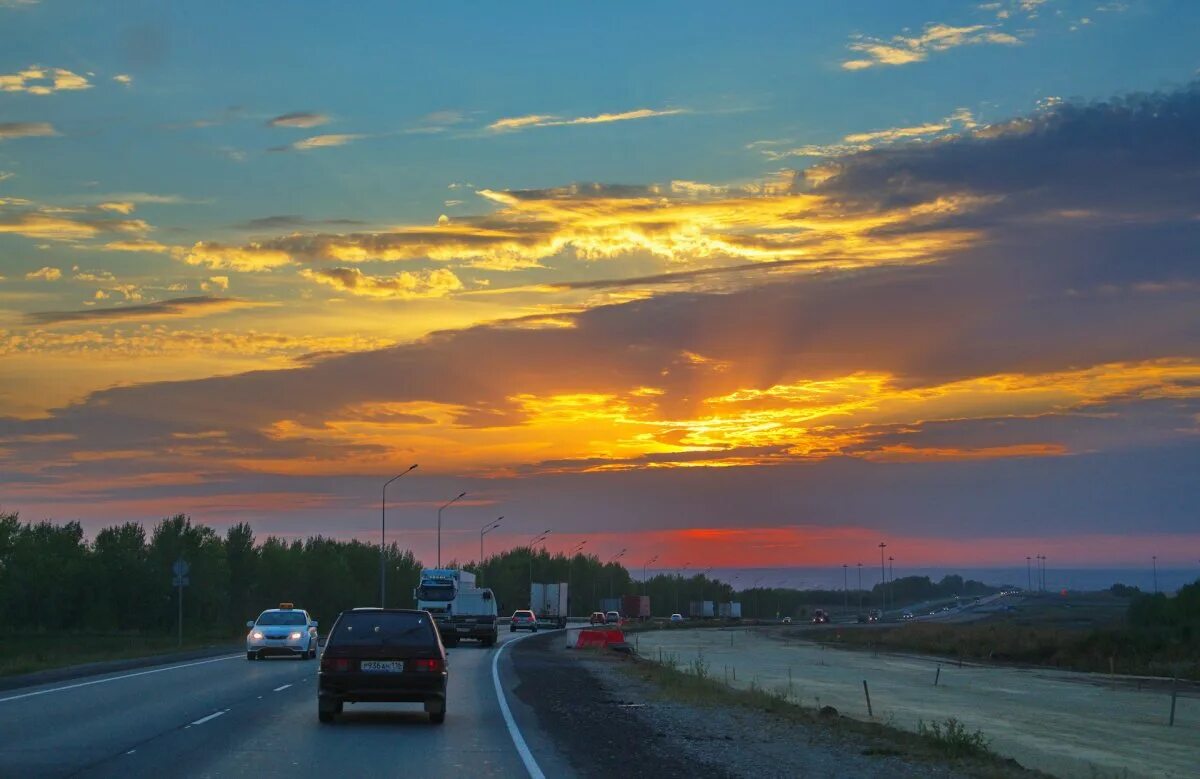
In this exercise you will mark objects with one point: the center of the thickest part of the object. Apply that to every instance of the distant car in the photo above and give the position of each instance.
(286, 631)
(861, 618)
(597, 618)
(612, 617)
(677, 618)
(382, 656)
(906, 615)
(524, 619)
(787, 620)
(873, 616)
(820, 617)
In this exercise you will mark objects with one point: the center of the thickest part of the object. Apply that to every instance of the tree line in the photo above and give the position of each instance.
(52, 578)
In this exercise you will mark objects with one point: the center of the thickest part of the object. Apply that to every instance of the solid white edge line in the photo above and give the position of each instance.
(212, 716)
(535, 772)
(115, 678)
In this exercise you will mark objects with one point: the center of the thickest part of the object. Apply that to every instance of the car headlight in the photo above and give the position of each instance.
(257, 635)
(295, 636)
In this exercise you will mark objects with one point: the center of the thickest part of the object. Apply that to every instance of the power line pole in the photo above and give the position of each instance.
(1028, 576)
(845, 589)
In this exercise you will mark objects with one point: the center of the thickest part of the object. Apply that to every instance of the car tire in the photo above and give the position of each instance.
(533, 630)
(437, 717)
(252, 655)
(512, 629)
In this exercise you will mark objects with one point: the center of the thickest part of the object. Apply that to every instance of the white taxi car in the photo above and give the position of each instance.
(286, 631)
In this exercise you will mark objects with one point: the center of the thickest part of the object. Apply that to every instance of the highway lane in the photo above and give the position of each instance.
(230, 717)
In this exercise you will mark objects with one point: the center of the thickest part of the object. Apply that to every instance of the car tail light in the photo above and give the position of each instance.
(427, 664)
(334, 664)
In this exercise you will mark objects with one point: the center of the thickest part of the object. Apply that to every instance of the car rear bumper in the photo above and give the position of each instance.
(370, 688)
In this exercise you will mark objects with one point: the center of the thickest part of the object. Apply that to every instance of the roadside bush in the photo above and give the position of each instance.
(952, 738)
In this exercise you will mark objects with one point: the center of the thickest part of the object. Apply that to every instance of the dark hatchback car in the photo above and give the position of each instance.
(382, 656)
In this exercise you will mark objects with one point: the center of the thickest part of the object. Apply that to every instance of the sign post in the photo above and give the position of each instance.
(180, 570)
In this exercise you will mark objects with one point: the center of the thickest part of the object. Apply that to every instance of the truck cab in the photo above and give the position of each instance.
(459, 608)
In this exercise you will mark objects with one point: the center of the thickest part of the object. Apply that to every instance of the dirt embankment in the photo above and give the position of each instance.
(609, 719)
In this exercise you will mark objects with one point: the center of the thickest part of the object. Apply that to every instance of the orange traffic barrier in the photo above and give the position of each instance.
(599, 637)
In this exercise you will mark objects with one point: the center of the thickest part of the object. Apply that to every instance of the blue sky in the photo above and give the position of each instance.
(254, 257)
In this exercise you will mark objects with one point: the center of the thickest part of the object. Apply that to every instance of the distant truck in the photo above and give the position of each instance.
(610, 604)
(732, 610)
(550, 603)
(460, 609)
(701, 609)
(635, 607)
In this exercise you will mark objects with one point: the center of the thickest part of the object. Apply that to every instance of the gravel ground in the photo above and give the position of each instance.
(592, 724)
(610, 722)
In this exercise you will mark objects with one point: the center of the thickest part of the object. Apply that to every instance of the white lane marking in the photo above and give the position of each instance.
(130, 752)
(212, 716)
(115, 678)
(284, 687)
(535, 771)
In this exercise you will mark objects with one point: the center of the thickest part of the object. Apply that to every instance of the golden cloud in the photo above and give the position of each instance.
(405, 285)
(685, 223)
(903, 50)
(36, 80)
(325, 141)
(549, 120)
(26, 130)
(44, 274)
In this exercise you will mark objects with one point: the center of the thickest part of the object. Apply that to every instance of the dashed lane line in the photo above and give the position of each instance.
(212, 716)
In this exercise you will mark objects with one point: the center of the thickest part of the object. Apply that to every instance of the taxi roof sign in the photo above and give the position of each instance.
(287, 606)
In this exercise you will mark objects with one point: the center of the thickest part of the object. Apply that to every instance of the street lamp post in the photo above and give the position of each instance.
(1028, 576)
(440, 508)
(611, 576)
(647, 563)
(483, 531)
(571, 572)
(892, 580)
(860, 590)
(536, 540)
(679, 579)
(1154, 563)
(845, 588)
(882, 579)
(383, 536)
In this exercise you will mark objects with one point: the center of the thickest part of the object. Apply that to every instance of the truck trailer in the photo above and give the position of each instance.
(635, 607)
(550, 602)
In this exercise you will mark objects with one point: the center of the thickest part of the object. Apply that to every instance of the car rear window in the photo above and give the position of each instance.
(523, 614)
(383, 628)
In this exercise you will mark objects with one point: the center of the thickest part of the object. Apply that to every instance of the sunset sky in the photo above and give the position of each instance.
(732, 285)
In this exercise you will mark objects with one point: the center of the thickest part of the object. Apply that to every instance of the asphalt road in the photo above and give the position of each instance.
(226, 716)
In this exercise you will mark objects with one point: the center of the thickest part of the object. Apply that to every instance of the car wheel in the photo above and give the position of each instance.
(534, 630)
(437, 717)
(251, 655)
(512, 629)
(325, 716)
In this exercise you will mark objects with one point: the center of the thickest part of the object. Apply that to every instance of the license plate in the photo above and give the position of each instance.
(382, 666)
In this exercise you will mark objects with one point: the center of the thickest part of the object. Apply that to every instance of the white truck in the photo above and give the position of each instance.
(550, 603)
(460, 609)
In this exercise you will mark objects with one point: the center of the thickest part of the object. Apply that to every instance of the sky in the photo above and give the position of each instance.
(723, 285)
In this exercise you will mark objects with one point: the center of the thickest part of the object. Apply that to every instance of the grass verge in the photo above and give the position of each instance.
(1121, 650)
(947, 743)
(22, 653)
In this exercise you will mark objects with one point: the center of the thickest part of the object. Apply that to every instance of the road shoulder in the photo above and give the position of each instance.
(52, 675)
